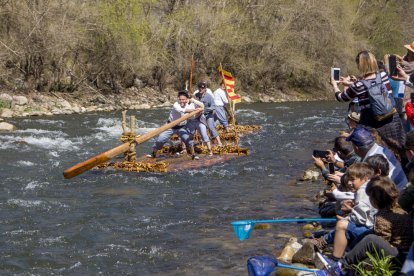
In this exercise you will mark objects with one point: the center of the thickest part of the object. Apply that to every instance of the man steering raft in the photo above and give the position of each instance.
(182, 106)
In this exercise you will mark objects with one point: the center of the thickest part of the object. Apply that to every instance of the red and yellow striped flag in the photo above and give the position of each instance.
(229, 83)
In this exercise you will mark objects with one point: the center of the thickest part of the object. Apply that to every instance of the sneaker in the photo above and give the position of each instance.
(320, 243)
(194, 157)
(333, 268)
(321, 272)
(152, 155)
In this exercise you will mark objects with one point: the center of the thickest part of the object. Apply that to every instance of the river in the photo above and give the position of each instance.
(113, 223)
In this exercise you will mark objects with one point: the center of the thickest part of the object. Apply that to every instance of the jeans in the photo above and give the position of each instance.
(193, 125)
(221, 116)
(165, 136)
(369, 243)
(211, 124)
(352, 233)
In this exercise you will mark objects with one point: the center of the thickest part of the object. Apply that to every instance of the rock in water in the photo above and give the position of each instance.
(262, 226)
(305, 255)
(290, 249)
(6, 127)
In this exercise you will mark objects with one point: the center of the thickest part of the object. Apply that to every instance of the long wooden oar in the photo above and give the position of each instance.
(106, 156)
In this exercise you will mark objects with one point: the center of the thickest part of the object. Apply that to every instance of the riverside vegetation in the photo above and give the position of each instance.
(111, 54)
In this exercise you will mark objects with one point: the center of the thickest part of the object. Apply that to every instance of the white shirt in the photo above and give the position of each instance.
(220, 98)
(177, 111)
(208, 90)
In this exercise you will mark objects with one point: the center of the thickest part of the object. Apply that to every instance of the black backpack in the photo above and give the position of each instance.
(382, 104)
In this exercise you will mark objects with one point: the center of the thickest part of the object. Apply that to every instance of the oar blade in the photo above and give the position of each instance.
(242, 229)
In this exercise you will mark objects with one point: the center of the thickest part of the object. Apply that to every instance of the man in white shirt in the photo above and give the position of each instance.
(182, 106)
(220, 99)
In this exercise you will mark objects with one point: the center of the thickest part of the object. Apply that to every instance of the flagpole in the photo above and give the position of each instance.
(190, 92)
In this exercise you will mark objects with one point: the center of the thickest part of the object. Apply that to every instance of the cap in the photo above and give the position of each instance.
(354, 116)
(360, 137)
(202, 84)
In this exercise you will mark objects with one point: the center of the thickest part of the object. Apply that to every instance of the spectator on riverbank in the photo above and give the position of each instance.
(345, 152)
(406, 199)
(365, 146)
(379, 164)
(360, 220)
(393, 227)
(389, 128)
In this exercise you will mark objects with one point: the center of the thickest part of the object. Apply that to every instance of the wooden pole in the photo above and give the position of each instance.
(190, 92)
(108, 155)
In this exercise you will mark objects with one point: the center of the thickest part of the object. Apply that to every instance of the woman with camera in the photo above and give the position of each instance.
(388, 126)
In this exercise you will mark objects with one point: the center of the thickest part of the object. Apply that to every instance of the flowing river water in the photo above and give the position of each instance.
(119, 223)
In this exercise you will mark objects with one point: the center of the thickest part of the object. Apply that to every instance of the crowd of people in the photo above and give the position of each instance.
(211, 107)
(371, 189)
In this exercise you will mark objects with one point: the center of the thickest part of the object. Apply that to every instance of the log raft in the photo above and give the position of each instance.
(108, 155)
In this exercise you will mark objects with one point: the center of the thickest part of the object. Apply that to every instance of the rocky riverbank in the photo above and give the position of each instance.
(15, 104)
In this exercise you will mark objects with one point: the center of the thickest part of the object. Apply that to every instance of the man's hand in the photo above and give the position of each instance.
(318, 162)
(336, 177)
(402, 76)
(346, 205)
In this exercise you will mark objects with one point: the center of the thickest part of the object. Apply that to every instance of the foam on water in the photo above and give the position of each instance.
(59, 123)
(35, 131)
(24, 163)
(35, 184)
(50, 240)
(16, 142)
(36, 203)
(154, 179)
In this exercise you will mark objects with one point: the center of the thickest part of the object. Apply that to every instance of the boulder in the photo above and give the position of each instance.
(6, 98)
(20, 100)
(290, 249)
(305, 255)
(6, 127)
(6, 113)
(246, 99)
(64, 104)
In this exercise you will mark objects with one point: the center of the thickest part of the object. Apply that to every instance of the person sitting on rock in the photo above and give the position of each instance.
(182, 106)
(360, 220)
(392, 230)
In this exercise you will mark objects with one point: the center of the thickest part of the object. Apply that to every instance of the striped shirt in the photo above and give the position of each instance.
(360, 92)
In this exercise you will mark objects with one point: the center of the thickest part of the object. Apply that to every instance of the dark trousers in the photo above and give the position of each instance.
(370, 243)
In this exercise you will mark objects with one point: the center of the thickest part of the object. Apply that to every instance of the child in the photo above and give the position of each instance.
(393, 227)
(360, 220)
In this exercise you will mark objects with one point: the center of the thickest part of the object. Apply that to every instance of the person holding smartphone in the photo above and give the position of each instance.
(390, 129)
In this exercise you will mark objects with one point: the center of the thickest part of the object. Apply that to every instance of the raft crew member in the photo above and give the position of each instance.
(220, 99)
(182, 106)
(209, 109)
(199, 123)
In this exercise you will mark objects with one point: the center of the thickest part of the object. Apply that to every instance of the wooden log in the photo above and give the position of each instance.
(108, 155)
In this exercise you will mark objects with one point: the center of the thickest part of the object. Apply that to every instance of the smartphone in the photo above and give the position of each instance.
(392, 63)
(335, 72)
(331, 168)
(319, 153)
